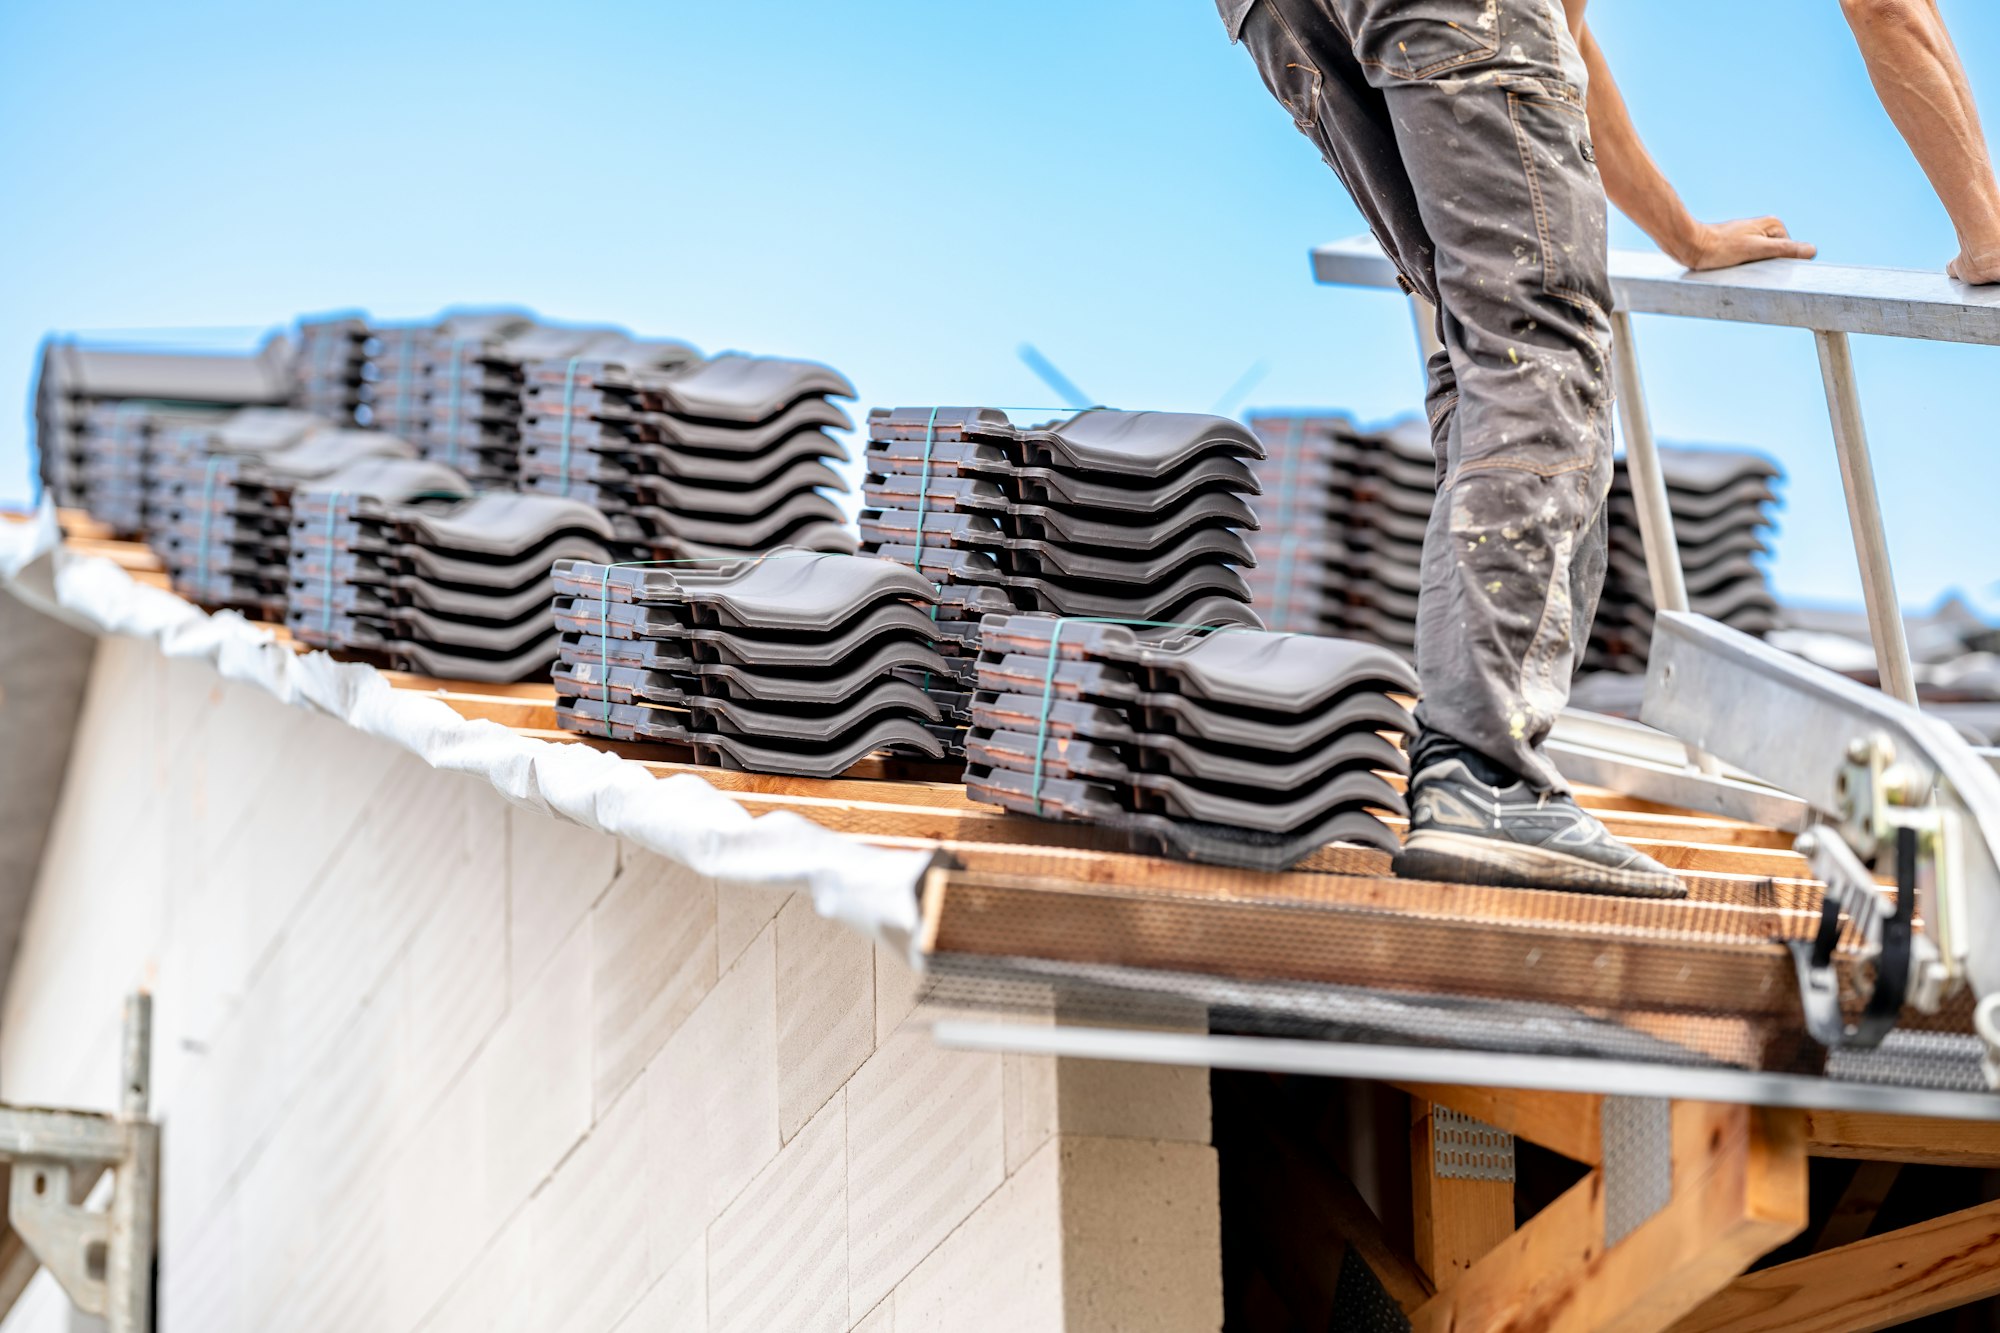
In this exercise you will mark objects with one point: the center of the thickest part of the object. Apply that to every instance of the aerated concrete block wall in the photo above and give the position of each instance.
(426, 1061)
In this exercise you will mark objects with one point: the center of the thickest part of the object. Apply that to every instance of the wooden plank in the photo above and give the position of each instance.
(1457, 1221)
(79, 523)
(1739, 1187)
(1338, 944)
(1563, 1122)
(479, 705)
(1903, 1138)
(1871, 1284)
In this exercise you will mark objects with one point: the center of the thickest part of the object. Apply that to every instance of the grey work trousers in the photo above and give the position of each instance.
(1459, 128)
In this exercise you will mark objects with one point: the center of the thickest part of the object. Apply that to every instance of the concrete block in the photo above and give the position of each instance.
(427, 835)
(279, 1231)
(712, 1103)
(354, 1110)
(896, 987)
(201, 1278)
(437, 1217)
(534, 1076)
(453, 977)
(1032, 1101)
(1047, 1096)
(653, 958)
(826, 1009)
(493, 1294)
(587, 1227)
(555, 871)
(1001, 1271)
(1142, 1236)
(777, 1257)
(343, 1288)
(678, 1301)
(926, 1145)
(741, 911)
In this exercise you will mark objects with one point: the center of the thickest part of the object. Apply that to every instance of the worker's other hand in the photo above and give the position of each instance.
(1722, 244)
(1977, 268)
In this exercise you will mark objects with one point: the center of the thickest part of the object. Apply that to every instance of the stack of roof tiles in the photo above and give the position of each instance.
(1135, 516)
(1341, 544)
(327, 371)
(1235, 747)
(728, 455)
(797, 662)
(447, 589)
(119, 456)
(1340, 550)
(397, 358)
(86, 397)
(1721, 501)
(470, 373)
(220, 497)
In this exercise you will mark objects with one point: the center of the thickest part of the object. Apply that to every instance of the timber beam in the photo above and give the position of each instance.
(1738, 1188)
(1875, 1283)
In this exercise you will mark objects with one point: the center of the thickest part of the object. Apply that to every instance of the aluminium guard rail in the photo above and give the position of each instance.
(1833, 301)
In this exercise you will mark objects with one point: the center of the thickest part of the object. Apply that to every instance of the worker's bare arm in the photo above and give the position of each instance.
(1921, 82)
(1634, 183)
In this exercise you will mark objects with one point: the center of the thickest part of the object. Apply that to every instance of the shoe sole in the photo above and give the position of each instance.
(1463, 858)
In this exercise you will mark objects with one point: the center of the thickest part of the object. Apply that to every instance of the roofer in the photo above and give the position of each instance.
(1463, 130)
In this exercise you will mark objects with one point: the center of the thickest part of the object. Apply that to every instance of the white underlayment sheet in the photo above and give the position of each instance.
(872, 889)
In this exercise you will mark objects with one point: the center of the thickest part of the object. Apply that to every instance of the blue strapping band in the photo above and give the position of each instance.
(326, 615)
(569, 398)
(604, 599)
(404, 378)
(207, 510)
(451, 443)
(1287, 515)
(924, 494)
(1049, 676)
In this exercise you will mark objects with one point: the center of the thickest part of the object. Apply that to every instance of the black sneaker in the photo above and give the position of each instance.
(1469, 831)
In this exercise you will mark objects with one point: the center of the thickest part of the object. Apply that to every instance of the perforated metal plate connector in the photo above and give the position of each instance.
(1466, 1149)
(1638, 1162)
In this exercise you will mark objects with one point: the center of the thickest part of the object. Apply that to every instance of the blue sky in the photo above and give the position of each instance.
(909, 190)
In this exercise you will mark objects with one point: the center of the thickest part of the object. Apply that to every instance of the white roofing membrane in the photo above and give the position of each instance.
(872, 889)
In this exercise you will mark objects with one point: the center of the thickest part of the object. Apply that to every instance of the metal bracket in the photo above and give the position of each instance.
(1875, 766)
(1463, 1148)
(72, 1242)
(102, 1258)
(1638, 1141)
(1885, 933)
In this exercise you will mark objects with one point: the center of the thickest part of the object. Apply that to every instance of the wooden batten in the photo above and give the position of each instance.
(1870, 1284)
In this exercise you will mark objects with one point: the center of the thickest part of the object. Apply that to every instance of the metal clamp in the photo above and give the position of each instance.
(1885, 934)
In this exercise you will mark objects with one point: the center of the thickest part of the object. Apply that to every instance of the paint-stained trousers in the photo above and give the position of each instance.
(1458, 126)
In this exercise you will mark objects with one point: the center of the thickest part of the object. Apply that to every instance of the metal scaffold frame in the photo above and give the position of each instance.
(101, 1256)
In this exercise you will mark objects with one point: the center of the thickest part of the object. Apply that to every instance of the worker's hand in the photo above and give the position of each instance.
(1976, 268)
(1722, 244)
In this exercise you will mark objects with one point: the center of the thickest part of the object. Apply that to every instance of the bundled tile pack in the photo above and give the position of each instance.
(447, 588)
(1235, 747)
(797, 662)
(327, 368)
(1131, 515)
(456, 387)
(1340, 549)
(89, 400)
(219, 499)
(1721, 501)
(728, 455)
(125, 439)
